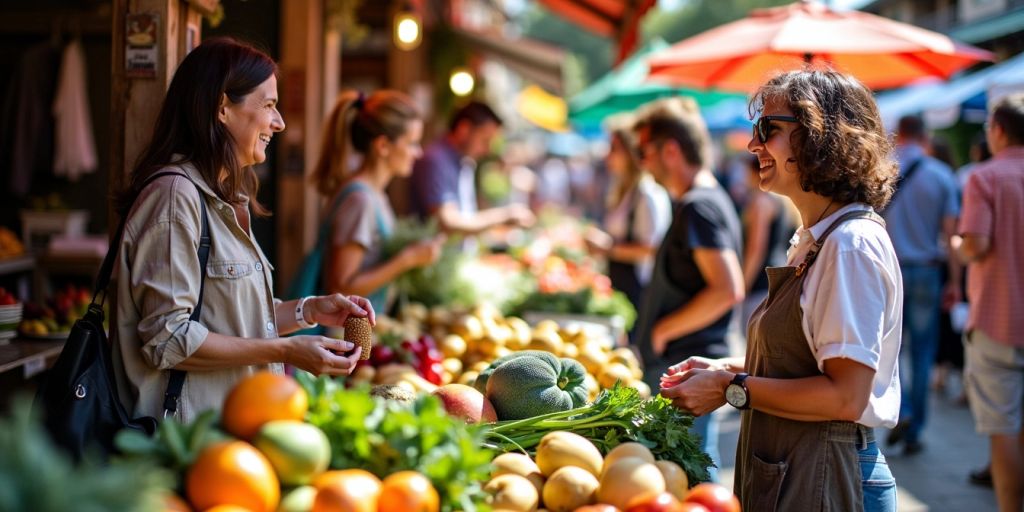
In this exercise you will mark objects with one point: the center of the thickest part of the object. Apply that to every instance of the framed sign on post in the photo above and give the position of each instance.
(142, 53)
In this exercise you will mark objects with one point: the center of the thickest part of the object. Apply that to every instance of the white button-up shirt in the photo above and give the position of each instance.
(852, 304)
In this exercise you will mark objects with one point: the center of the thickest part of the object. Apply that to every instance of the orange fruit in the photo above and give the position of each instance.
(233, 473)
(347, 490)
(260, 398)
(408, 491)
(174, 503)
(227, 508)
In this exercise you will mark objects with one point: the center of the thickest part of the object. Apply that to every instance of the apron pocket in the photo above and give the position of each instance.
(764, 484)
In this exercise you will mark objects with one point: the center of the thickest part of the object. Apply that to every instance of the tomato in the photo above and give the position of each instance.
(659, 502)
(714, 497)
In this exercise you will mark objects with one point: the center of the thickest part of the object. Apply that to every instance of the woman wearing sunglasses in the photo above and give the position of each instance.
(820, 372)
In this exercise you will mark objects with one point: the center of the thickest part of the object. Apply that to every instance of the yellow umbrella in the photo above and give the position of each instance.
(545, 110)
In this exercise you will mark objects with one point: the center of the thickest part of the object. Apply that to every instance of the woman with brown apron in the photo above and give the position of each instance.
(820, 370)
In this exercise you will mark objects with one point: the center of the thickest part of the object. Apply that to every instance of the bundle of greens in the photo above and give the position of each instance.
(581, 302)
(35, 475)
(617, 416)
(384, 437)
(437, 284)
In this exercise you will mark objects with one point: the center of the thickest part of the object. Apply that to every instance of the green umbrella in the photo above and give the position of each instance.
(626, 87)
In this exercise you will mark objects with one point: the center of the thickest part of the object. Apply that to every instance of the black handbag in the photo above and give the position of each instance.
(78, 401)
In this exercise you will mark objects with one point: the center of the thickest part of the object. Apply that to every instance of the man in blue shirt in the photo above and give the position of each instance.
(920, 219)
(443, 181)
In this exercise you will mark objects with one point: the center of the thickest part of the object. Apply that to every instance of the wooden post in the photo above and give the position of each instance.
(135, 102)
(305, 92)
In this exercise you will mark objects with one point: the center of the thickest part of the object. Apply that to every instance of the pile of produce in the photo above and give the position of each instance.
(619, 415)
(540, 277)
(317, 446)
(456, 279)
(569, 474)
(406, 353)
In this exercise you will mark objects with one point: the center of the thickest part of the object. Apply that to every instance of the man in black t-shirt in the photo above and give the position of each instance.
(697, 276)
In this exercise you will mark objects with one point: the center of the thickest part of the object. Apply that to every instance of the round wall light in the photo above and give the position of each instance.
(461, 82)
(408, 33)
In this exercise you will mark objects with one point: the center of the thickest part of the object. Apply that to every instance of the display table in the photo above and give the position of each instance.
(28, 356)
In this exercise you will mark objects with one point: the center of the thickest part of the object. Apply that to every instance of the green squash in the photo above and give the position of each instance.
(533, 382)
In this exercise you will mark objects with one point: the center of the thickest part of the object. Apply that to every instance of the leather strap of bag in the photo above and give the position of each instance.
(906, 176)
(176, 382)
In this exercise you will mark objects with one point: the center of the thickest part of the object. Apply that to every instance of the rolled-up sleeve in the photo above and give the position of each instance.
(165, 280)
(850, 309)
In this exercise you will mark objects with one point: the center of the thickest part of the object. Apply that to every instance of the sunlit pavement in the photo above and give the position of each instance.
(933, 480)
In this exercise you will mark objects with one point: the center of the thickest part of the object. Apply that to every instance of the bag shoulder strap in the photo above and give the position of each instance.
(176, 383)
(812, 254)
(351, 187)
(906, 176)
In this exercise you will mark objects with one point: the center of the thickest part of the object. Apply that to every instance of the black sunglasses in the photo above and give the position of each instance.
(763, 124)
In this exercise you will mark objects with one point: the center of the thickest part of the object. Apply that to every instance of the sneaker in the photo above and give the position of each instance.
(898, 433)
(981, 476)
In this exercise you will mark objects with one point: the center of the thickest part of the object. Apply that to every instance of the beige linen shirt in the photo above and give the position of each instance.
(156, 286)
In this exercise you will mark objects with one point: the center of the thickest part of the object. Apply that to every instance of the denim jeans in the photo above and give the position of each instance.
(877, 481)
(706, 427)
(922, 291)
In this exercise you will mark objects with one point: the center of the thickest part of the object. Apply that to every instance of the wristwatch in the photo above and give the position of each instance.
(737, 394)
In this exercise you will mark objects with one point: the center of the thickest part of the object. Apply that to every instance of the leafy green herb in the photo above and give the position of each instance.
(383, 437)
(618, 415)
(580, 302)
(174, 446)
(437, 284)
(35, 475)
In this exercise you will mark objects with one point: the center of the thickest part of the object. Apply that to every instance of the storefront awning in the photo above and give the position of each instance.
(618, 19)
(991, 28)
(534, 61)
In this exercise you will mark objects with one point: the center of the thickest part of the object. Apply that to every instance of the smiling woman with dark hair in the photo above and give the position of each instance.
(820, 372)
(215, 124)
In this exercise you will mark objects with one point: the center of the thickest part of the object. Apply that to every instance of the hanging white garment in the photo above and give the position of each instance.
(74, 147)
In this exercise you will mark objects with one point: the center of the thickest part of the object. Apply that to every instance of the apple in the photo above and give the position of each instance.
(465, 402)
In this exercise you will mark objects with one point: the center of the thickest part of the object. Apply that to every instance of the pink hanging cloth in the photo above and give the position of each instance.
(74, 147)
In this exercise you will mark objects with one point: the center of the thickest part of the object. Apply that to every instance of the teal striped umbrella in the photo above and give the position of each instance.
(626, 87)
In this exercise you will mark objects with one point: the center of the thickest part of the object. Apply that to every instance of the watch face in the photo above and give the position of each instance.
(735, 395)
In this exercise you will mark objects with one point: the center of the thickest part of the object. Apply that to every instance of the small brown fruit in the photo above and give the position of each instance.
(357, 330)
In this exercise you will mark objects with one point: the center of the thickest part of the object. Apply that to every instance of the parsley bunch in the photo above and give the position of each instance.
(384, 437)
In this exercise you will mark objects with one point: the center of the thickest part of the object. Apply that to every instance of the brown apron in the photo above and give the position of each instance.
(784, 464)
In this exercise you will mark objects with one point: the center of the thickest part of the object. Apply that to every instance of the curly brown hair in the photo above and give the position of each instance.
(841, 148)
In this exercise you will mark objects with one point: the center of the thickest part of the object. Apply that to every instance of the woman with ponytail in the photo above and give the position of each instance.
(381, 134)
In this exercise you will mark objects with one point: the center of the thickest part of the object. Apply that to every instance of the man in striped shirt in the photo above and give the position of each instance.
(992, 241)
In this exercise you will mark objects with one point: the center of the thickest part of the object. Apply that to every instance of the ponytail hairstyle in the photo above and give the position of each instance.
(353, 124)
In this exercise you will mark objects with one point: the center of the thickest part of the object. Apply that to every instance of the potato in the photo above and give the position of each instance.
(559, 449)
(570, 488)
(624, 450)
(628, 478)
(676, 481)
(612, 373)
(512, 492)
(518, 464)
